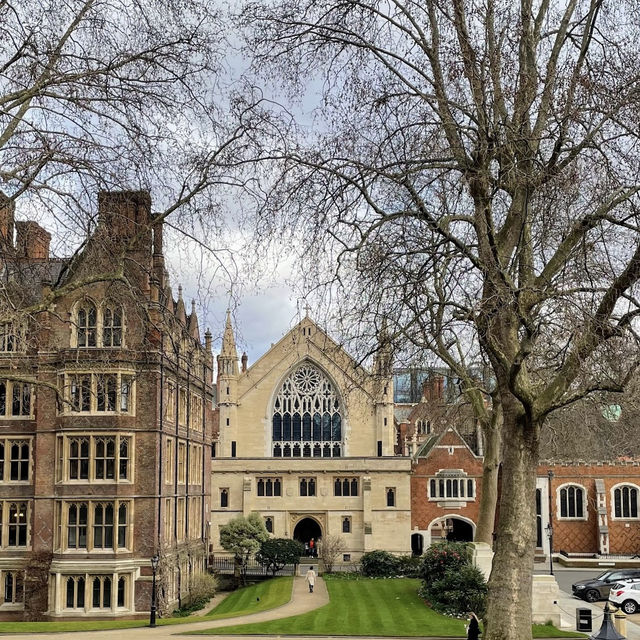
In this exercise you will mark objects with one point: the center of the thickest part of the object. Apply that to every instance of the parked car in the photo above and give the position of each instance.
(598, 588)
(626, 596)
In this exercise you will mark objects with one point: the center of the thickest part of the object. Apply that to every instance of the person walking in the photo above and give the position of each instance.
(473, 628)
(311, 578)
(312, 547)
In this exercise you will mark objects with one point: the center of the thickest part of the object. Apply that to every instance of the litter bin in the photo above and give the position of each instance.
(584, 620)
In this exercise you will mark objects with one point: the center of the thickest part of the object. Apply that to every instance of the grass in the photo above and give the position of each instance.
(361, 607)
(271, 593)
(262, 596)
(368, 607)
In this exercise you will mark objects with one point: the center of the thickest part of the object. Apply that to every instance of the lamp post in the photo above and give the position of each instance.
(549, 526)
(154, 567)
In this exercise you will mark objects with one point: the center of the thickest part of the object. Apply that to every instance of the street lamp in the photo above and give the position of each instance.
(549, 530)
(154, 567)
(549, 527)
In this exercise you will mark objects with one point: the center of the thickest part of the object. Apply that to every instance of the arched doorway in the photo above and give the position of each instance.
(450, 527)
(417, 544)
(307, 529)
(461, 531)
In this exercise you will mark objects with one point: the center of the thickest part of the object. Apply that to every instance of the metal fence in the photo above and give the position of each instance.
(225, 564)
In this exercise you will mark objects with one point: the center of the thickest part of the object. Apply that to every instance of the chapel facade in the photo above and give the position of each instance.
(306, 439)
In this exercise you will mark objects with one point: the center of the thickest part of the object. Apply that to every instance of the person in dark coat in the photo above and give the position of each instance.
(473, 629)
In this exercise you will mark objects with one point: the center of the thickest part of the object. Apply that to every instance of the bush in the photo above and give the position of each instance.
(202, 587)
(379, 564)
(457, 592)
(443, 557)
(409, 566)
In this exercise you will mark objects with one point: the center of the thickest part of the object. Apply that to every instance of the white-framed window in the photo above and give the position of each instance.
(572, 502)
(12, 584)
(168, 520)
(195, 463)
(625, 502)
(97, 325)
(87, 592)
(180, 518)
(93, 458)
(452, 485)
(95, 525)
(15, 460)
(182, 462)
(16, 399)
(15, 518)
(182, 406)
(169, 461)
(170, 402)
(196, 412)
(99, 393)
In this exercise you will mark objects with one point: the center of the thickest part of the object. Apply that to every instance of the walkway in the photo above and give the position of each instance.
(568, 605)
(301, 602)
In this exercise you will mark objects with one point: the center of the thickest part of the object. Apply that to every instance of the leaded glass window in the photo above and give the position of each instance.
(307, 416)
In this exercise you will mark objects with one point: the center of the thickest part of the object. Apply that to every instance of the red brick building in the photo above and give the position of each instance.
(106, 405)
(594, 507)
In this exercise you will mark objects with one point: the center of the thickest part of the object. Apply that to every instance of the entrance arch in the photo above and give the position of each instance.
(306, 529)
(451, 527)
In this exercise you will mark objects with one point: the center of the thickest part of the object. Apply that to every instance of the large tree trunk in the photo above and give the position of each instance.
(490, 467)
(508, 615)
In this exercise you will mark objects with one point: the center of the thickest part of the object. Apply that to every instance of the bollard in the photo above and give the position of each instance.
(620, 622)
(607, 630)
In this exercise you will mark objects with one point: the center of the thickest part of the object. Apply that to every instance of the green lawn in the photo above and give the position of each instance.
(271, 594)
(369, 608)
(262, 596)
(361, 607)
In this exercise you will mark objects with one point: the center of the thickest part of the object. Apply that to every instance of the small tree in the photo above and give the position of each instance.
(243, 537)
(275, 553)
(332, 547)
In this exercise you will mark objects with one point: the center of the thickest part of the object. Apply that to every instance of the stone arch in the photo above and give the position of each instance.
(464, 529)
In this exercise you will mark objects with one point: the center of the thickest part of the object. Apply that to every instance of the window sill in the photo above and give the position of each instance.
(572, 519)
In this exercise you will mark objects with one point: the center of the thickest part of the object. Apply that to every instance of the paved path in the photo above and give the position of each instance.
(301, 602)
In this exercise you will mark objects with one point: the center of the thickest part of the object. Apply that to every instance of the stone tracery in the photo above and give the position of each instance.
(307, 416)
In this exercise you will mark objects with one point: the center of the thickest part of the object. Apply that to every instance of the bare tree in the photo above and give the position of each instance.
(117, 95)
(495, 145)
(331, 547)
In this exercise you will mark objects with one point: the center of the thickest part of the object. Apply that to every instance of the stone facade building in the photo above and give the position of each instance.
(307, 440)
(106, 409)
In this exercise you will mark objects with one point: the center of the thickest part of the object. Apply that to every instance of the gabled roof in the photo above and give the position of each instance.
(449, 437)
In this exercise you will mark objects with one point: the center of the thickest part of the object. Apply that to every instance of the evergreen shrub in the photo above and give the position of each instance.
(450, 583)
(379, 564)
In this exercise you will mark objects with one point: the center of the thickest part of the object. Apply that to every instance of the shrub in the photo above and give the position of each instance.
(457, 592)
(379, 564)
(443, 557)
(409, 566)
(202, 587)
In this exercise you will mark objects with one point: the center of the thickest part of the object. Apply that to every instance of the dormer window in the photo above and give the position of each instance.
(112, 327)
(97, 326)
(87, 320)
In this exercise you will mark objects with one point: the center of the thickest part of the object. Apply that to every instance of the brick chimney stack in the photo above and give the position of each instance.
(433, 389)
(7, 215)
(127, 215)
(32, 241)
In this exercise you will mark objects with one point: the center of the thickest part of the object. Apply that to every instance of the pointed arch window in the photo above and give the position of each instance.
(87, 325)
(307, 416)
